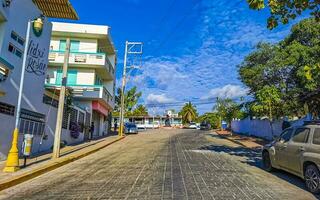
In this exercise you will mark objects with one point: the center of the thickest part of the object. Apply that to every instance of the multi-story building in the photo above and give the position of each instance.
(91, 75)
(14, 17)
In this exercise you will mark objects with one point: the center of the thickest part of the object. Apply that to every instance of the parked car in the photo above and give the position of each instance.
(192, 125)
(205, 125)
(297, 151)
(130, 128)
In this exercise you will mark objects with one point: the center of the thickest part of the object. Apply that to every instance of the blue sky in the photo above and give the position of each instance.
(191, 47)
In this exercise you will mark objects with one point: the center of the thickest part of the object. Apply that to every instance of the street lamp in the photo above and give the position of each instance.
(12, 164)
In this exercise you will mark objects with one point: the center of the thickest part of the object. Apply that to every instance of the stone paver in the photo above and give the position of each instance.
(163, 164)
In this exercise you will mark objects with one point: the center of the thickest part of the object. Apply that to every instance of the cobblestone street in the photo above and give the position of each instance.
(164, 164)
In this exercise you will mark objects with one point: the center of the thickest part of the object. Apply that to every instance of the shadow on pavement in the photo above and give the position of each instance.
(253, 158)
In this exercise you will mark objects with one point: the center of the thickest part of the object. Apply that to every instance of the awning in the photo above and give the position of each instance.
(99, 108)
(57, 9)
(6, 63)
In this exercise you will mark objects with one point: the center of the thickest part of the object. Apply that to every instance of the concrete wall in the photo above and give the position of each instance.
(20, 13)
(262, 128)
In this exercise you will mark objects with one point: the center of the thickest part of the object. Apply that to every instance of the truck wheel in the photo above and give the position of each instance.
(266, 161)
(312, 179)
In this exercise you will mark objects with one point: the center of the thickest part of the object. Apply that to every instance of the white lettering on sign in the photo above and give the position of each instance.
(37, 61)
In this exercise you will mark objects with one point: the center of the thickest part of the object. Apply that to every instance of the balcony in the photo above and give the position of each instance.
(89, 92)
(78, 59)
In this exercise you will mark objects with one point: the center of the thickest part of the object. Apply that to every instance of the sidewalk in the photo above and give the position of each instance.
(42, 164)
(243, 140)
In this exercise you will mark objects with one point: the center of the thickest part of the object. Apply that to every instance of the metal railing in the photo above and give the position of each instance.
(83, 58)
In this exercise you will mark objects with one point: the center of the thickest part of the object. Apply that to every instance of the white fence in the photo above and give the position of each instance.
(262, 128)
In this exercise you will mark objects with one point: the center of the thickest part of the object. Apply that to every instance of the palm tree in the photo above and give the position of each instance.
(131, 98)
(141, 110)
(188, 113)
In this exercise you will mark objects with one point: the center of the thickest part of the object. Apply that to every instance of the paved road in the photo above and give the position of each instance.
(164, 164)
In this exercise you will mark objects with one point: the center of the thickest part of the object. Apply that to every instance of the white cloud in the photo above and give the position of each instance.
(159, 98)
(225, 33)
(227, 91)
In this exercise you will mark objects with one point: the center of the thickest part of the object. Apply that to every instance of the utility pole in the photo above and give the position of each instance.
(130, 48)
(57, 134)
(153, 113)
(12, 164)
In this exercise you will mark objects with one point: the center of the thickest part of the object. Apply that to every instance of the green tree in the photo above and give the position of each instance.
(212, 118)
(268, 101)
(131, 98)
(188, 113)
(291, 66)
(140, 110)
(227, 109)
(285, 10)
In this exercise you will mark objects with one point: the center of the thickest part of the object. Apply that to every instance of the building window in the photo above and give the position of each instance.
(50, 101)
(13, 49)
(17, 38)
(98, 80)
(7, 109)
(31, 122)
(81, 121)
(62, 45)
(65, 121)
(14, 36)
(72, 77)
(88, 116)
(74, 45)
(73, 116)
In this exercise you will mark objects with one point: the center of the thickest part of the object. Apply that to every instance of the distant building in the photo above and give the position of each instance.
(144, 122)
(171, 113)
(91, 76)
(14, 17)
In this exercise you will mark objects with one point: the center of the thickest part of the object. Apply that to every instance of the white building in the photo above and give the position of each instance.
(91, 75)
(14, 17)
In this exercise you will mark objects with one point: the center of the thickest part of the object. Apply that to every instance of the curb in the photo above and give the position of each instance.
(51, 166)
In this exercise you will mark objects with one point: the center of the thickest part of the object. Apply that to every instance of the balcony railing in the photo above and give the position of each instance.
(88, 58)
(90, 92)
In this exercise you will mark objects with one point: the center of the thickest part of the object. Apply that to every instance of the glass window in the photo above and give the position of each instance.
(286, 135)
(14, 35)
(316, 136)
(301, 135)
(62, 45)
(19, 53)
(20, 41)
(75, 45)
(11, 48)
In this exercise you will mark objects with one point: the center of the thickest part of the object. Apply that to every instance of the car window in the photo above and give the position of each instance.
(301, 135)
(316, 136)
(286, 135)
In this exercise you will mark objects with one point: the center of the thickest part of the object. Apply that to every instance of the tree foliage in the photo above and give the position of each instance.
(268, 102)
(288, 70)
(140, 110)
(212, 118)
(188, 113)
(284, 10)
(227, 109)
(131, 98)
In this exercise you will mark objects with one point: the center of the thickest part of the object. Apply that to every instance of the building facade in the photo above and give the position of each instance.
(90, 80)
(148, 122)
(14, 17)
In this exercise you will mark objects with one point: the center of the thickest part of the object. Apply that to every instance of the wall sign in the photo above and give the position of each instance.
(37, 61)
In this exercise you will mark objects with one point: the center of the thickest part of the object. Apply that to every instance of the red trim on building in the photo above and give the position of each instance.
(97, 106)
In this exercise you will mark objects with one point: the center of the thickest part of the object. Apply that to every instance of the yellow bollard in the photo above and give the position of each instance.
(12, 164)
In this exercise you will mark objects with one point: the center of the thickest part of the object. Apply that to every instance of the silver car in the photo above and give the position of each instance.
(297, 150)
